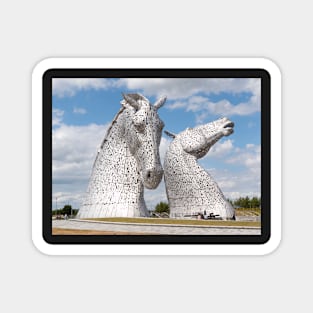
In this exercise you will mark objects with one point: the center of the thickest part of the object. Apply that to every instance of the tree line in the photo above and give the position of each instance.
(242, 202)
(246, 202)
(67, 209)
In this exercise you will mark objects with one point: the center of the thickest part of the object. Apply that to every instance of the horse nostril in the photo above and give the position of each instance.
(153, 174)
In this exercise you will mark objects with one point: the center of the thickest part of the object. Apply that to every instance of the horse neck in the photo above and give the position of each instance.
(184, 160)
(183, 157)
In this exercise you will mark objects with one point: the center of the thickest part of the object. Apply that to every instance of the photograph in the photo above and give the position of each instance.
(178, 155)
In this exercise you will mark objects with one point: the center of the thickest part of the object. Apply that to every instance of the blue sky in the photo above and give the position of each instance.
(84, 108)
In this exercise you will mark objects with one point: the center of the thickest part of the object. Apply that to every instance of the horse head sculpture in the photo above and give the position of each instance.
(189, 187)
(128, 161)
(197, 141)
(143, 129)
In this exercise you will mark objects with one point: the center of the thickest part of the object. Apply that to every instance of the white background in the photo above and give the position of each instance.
(34, 30)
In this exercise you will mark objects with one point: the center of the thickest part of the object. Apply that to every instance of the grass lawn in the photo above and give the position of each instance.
(141, 220)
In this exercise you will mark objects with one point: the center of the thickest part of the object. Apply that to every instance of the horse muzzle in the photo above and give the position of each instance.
(152, 177)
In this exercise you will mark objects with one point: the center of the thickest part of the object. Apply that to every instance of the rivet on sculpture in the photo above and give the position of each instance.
(190, 189)
(127, 161)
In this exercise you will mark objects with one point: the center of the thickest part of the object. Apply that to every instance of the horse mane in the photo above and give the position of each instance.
(136, 97)
(172, 135)
(111, 125)
(107, 134)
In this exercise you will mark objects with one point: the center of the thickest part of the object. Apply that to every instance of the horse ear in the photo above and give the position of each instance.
(160, 102)
(129, 100)
(170, 134)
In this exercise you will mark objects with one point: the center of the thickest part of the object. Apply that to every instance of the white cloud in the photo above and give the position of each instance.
(164, 144)
(61, 198)
(79, 110)
(241, 184)
(74, 151)
(57, 117)
(68, 87)
(246, 179)
(185, 92)
(224, 107)
(250, 145)
(179, 88)
(250, 157)
(221, 149)
(75, 146)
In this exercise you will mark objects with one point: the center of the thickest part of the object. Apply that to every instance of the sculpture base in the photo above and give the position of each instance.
(111, 210)
(227, 213)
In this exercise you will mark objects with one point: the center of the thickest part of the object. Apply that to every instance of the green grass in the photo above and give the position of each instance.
(176, 221)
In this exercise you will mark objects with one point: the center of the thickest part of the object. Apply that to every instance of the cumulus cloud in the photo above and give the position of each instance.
(174, 88)
(203, 107)
(243, 183)
(57, 117)
(61, 198)
(79, 110)
(179, 88)
(221, 149)
(249, 182)
(193, 94)
(68, 87)
(74, 151)
(184, 91)
(74, 148)
(246, 179)
(164, 144)
(250, 157)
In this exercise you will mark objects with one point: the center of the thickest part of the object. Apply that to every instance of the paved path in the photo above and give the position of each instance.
(156, 229)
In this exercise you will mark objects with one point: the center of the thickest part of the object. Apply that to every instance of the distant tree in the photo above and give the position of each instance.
(75, 211)
(162, 207)
(239, 202)
(247, 202)
(255, 202)
(67, 209)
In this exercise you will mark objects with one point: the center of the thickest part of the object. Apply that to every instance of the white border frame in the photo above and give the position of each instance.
(152, 249)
